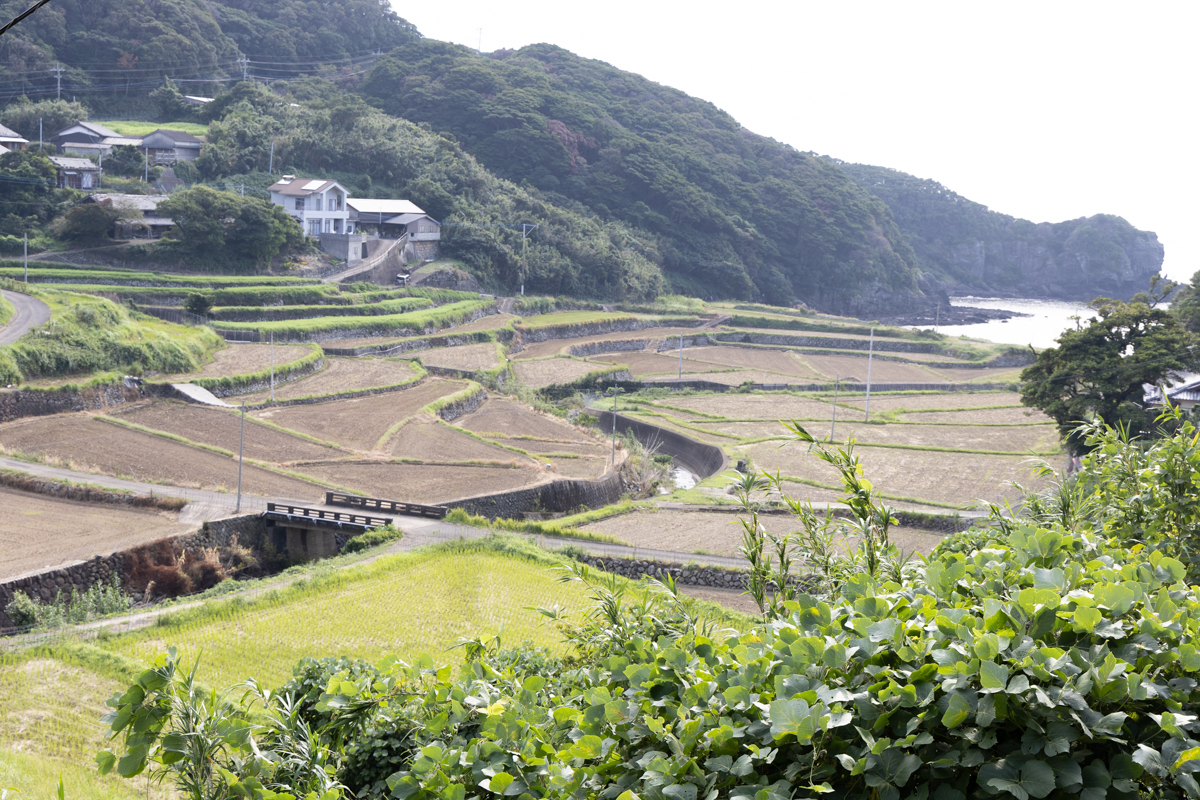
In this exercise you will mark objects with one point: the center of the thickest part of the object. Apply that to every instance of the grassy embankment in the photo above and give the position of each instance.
(127, 127)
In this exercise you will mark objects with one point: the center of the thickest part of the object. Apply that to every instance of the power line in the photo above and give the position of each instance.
(23, 15)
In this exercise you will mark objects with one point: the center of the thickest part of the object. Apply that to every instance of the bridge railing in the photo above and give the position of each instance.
(377, 504)
(326, 514)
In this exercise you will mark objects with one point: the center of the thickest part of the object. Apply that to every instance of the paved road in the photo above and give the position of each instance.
(31, 313)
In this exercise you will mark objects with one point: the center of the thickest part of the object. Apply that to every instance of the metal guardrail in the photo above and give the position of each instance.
(377, 504)
(327, 515)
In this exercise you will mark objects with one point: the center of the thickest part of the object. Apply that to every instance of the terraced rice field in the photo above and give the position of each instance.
(243, 359)
(424, 483)
(548, 372)
(221, 428)
(341, 375)
(505, 418)
(470, 357)
(34, 535)
(359, 423)
(89, 444)
(719, 533)
(435, 442)
(922, 451)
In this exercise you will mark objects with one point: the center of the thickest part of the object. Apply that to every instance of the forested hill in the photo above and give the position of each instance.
(970, 248)
(736, 214)
(637, 188)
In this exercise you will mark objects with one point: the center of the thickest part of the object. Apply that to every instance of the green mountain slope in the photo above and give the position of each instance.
(973, 249)
(736, 213)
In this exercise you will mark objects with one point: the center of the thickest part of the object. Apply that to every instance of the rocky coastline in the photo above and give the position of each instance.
(937, 315)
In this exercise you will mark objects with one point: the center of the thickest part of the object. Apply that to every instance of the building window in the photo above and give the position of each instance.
(314, 227)
(299, 203)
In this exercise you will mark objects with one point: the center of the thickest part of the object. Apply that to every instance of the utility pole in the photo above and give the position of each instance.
(832, 426)
(27, 257)
(615, 391)
(146, 165)
(40, 147)
(870, 355)
(524, 233)
(271, 163)
(272, 366)
(241, 441)
(681, 356)
(58, 71)
(245, 62)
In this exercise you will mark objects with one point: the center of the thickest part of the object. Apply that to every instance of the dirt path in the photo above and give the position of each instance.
(31, 313)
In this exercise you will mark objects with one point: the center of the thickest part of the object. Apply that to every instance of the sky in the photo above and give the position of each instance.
(1047, 111)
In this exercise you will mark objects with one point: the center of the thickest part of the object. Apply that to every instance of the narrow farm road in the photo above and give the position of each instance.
(31, 313)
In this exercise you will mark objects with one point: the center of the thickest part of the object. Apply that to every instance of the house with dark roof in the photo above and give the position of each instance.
(90, 139)
(11, 140)
(165, 146)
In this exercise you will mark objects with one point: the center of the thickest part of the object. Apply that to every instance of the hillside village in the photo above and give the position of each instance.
(353, 448)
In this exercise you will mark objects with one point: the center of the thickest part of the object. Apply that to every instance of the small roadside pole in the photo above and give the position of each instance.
(681, 356)
(26, 257)
(273, 369)
(615, 391)
(832, 425)
(870, 355)
(241, 441)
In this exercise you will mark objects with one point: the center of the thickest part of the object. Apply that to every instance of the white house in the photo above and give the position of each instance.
(318, 205)
(11, 140)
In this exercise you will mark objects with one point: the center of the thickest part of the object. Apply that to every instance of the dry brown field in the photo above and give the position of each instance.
(506, 418)
(424, 483)
(641, 363)
(699, 436)
(359, 422)
(755, 406)
(738, 377)
(854, 370)
(435, 442)
(958, 479)
(980, 375)
(719, 533)
(753, 358)
(553, 347)
(89, 444)
(588, 467)
(543, 373)
(538, 447)
(472, 357)
(1019, 415)
(222, 428)
(341, 376)
(1009, 439)
(243, 359)
(930, 400)
(39, 532)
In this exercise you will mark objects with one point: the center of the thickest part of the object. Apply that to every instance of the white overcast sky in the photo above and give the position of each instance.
(1043, 110)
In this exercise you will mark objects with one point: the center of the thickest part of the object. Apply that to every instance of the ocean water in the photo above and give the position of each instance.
(1047, 320)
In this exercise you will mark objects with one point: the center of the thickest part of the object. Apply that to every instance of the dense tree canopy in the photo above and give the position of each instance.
(1100, 369)
(734, 213)
(222, 225)
(28, 181)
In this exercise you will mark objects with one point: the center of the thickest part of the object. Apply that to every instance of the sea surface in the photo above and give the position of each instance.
(1049, 318)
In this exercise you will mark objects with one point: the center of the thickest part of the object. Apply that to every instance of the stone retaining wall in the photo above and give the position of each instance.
(529, 336)
(563, 495)
(282, 375)
(460, 408)
(613, 346)
(19, 403)
(419, 343)
(705, 460)
(83, 493)
(45, 586)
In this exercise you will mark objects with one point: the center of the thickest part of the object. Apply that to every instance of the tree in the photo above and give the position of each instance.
(23, 116)
(1100, 369)
(224, 226)
(29, 180)
(87, 222)
(171, 105)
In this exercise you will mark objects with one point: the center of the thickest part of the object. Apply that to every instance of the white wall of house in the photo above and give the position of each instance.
(320, 212)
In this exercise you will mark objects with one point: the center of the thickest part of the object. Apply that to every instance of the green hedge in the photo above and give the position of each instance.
(303, 330)
(399, 305)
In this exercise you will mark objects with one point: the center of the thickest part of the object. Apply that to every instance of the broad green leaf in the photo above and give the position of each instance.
(680, 791)
(993, 676)
(105, 761)
(1086, 618)
(957, 712)
(587, 747)
(1034, 779)
(1189, 657)
(1186, 756)
(1114, 597)
(1050, 579)
(498, 783)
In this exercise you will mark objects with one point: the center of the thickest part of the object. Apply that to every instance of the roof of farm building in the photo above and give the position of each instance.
(178, 137)
(66, 162)
(302, 187)
(9, 135)
(390, 208)
(404, 219)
